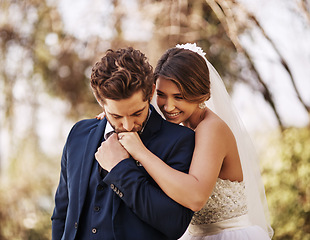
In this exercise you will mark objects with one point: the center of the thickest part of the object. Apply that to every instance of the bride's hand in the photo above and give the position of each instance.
(132, 143)
(100, 116)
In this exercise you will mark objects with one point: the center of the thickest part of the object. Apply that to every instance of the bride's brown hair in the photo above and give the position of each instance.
(188, 70)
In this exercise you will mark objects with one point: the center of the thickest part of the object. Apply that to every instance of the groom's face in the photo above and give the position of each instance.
(127, 115)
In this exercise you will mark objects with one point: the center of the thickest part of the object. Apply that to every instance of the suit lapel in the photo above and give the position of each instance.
(152, 126)
(94, 138)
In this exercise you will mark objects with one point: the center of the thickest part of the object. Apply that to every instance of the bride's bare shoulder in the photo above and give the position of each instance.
(212, 123)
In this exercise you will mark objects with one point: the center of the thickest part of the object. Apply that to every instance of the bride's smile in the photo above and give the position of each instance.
(171, 102)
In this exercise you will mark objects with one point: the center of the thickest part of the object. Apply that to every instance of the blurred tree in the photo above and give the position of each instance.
(36, 49)
(26, 196)
(286, 170)
(38, 55)
(217, 26)
(304, 6)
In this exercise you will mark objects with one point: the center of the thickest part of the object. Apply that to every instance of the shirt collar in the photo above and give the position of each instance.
(108, 130)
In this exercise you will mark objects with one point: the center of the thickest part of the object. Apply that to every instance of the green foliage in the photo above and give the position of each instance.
(287, 174)
(26, 194)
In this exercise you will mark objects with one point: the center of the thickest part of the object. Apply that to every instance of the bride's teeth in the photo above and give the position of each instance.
(172, 114)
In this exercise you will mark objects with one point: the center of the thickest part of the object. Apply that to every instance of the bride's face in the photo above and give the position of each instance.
(171, 103)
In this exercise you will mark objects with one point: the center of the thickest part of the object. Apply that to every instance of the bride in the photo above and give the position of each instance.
(223, 185)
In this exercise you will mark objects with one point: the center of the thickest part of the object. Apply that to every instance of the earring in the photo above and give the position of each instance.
(202, 105)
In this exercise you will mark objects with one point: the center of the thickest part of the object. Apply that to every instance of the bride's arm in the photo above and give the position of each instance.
(190, 190)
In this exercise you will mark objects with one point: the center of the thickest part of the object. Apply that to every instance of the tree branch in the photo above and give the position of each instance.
(223, 11)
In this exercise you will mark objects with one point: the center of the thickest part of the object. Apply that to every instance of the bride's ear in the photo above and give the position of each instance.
(208, 97)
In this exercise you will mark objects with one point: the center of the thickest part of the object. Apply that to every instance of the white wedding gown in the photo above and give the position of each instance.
(224, 216)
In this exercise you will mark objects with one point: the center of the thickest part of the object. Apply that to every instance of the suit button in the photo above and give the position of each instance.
(97, 208)
(121, 194)
(112, 186)
(94, 230)
(100, 188)
(138, 164)
(75, 225)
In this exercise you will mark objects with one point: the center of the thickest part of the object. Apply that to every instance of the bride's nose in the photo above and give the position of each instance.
(169, 105)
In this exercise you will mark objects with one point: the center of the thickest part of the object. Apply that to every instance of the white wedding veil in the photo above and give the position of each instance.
(221, 104)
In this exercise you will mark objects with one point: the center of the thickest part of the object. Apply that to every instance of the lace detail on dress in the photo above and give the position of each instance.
(227, 201)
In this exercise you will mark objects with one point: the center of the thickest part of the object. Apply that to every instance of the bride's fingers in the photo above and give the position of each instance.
(100, 116)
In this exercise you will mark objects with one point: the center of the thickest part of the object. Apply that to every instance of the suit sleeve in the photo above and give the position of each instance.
(146, 199)
(62, 196)
(61, 201)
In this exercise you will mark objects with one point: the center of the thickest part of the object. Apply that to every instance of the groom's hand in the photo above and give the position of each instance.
(110, 153)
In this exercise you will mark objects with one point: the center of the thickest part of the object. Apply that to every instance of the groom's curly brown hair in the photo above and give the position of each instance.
(120, 74)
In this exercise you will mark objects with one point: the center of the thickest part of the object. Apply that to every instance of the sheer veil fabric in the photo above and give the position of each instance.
(221, 104)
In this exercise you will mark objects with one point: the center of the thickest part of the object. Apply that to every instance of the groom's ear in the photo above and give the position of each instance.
(153, 91)
(103, 108)
(100, 102)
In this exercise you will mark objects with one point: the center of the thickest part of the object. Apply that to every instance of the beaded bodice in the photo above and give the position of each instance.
(227, 201)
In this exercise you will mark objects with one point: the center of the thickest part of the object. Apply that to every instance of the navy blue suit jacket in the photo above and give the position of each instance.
(141, 210)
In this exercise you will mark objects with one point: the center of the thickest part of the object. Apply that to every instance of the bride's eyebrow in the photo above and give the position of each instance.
(174, 94)
(158, 92)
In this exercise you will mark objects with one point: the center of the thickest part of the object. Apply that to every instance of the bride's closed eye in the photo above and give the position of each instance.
(160, 94)
(178, 97)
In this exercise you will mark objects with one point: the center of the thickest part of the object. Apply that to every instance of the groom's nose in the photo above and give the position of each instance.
(128, 124)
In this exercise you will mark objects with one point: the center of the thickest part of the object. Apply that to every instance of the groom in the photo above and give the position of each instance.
(125, 202)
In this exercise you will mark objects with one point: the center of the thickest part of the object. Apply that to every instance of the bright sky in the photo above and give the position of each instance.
(86, 20)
